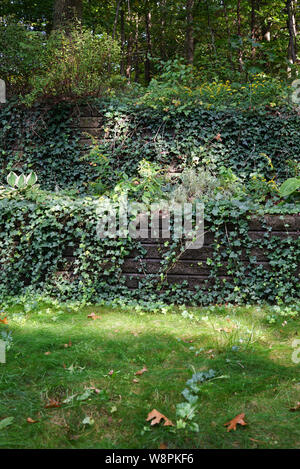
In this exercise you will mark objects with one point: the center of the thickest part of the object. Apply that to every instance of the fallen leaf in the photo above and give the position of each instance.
(218, 138)
(135, 380)
(52, 403)
(68, 345)
(29, 420)
(4, 321)
(226, 329)
(163, 446)
(140, 372)
(156, 417)
(297, 407)
(93, 316)
(239, 419)
(47, 353)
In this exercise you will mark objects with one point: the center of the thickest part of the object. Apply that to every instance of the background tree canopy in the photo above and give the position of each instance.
(223, 39)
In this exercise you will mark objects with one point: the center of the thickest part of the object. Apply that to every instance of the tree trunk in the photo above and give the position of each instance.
(116, 18)
(189, 38)
(136, 56)
(228, 31)
(66, 13)
(149, 45)
(240, 51)
(212, 35)
(292, 48)
(122, 27)
(253, 26)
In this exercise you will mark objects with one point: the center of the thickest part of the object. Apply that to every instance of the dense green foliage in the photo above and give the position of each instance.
(223, 40)
(38, 231)
(258, 142)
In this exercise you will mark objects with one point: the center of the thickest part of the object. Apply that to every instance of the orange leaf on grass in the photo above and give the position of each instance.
(163, 446)
(156, 417)
(29, 420)
(142, 371)
(52, 403)
(4, 321)
(239, 419)
(93, 316)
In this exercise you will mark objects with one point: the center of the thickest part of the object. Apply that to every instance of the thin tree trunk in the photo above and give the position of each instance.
(129, 47)
(136, 57)
(228, 31)
(189, 38)
(240, 51)
(211, 30)
(163, 13)
(292, 48)
(122, 27)
(149, 45)
(253, 26)
(116, 18)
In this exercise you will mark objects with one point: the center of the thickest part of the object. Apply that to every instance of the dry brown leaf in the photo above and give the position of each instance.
(163, 446)
(296, 408)
(52, 403)
(93, 316)
(4, 321)
(239, 419)
(29, 420)
(156, 417)
(218, 138)
(226, 329)
(142, 371)
(135, 380)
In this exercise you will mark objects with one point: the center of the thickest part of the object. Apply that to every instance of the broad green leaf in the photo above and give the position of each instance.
(12, 179)
(6, 422)
(289, 187)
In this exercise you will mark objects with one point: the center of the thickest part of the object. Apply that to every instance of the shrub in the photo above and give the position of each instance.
(20, 57)
(74, 65)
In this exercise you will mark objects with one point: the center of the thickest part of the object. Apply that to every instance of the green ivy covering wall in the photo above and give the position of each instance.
(38, 237)
(45, 141)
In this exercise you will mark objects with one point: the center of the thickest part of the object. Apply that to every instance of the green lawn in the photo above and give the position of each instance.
(251, 357)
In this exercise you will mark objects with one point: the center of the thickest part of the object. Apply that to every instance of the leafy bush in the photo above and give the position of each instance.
(74, 65)
(20, 57)
(202, 184)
